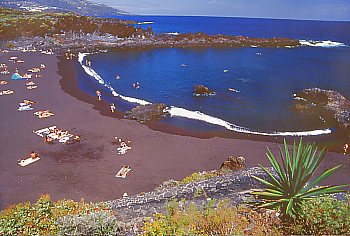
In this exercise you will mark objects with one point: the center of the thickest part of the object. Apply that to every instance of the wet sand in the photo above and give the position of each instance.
(87, 169)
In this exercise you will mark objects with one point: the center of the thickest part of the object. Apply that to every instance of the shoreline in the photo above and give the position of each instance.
(156, 125)
(87, 169)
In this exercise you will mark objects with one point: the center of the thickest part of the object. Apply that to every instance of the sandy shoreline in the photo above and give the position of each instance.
(87, 169)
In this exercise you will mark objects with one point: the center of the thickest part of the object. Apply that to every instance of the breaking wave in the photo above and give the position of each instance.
(196, 115)
(173, 33)
(145, 23)
(324, 44)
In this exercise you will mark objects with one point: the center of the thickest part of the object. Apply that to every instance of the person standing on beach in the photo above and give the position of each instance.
(112, 107)
(98, 94)
(346, 146)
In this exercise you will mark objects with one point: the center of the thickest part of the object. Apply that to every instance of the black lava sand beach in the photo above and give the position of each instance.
(87, 169)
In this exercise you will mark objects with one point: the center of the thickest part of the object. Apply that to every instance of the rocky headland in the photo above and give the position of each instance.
(330, 105)
(24, 30)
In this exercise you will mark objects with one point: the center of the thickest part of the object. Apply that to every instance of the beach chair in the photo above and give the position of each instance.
(123, 172)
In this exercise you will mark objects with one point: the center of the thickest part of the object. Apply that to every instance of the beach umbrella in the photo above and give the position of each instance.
(16, 76)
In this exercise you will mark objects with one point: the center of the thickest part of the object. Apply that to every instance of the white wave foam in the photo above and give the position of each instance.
(300, 99)
(173, 33)
(195, 115)
(324, 44)
(145, 23)
(96, 76)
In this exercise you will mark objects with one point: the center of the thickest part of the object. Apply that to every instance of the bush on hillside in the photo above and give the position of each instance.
(211, 219)
(323, 216)
(96, 223)
(40, 218)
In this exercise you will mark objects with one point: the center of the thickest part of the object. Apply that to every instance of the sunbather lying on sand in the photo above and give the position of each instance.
(7, 92)
(32, 87)
(26, 101)
(44, 114)
(123, 172)
(33, 155)
(3, 82)
(34, 70)
(124, 146)
(48, 139)
(30, 83)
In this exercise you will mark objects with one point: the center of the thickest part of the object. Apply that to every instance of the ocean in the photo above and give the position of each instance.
(254, 86)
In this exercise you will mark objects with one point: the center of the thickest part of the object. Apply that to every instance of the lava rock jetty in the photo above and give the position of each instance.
(148, 112)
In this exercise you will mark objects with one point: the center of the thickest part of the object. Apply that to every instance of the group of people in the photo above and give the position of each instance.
(88, 63)
(136, 85)
(99, 95)
(60, 134)
(69, 55)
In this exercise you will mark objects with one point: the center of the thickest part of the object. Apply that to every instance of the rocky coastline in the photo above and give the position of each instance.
(91, 42)
(235, 186)
(331, 106)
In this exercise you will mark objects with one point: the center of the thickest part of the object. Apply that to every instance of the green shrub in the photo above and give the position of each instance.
(96, 224)
(199, 176)
(211, 219)
(293, 184)
(40, 218)
(10, 45)
(323, 216)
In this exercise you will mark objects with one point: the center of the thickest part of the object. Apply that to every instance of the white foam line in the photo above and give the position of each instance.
(173, 33)
(196, 115)
(97, 77)
(145, 23)
(324, 44)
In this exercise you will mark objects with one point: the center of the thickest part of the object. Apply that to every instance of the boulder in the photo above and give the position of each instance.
(233, 163)
(330, 105)
(145, 113)
(201, 90)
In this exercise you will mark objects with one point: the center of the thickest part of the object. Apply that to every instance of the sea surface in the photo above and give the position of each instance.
(254, 86)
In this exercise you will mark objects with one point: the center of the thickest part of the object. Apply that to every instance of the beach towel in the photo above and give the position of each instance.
(123, 172)
(25, 108)
(44, 131)
(65, 138)
(27, 161)
(122, 150)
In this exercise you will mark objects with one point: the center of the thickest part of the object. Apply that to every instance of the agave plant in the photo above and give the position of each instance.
(292, 183)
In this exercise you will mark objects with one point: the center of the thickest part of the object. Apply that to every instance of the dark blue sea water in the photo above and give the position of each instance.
(265, 78)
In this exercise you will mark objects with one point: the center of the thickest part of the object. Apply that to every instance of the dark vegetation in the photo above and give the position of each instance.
(17, 23)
